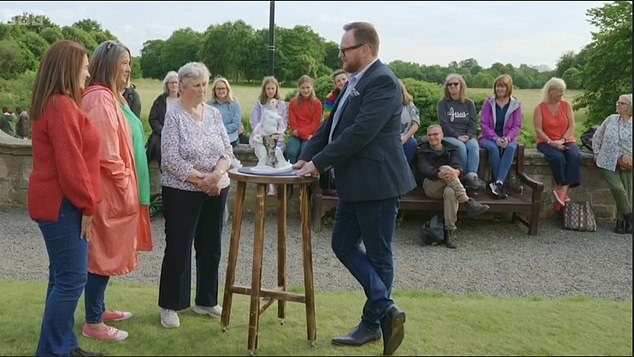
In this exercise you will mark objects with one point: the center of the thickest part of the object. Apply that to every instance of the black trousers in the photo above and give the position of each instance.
(191, 216)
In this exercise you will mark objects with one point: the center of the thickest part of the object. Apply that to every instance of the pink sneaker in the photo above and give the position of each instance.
(109, 334)
(559, 198)
(116, 315)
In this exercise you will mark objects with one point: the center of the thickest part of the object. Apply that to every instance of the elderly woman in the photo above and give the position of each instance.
(554, 129)
(196, 156)
(458, 118)
(501, 122)
(612, 146)
(161, 105)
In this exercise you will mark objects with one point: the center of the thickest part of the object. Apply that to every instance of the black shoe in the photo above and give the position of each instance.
(620, 226)
(627, 223)
(475, 208)
(357, 337)
(392, 326)
(79, 352)
(450, 239)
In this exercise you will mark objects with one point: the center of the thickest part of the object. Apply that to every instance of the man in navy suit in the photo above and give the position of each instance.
(361, 142)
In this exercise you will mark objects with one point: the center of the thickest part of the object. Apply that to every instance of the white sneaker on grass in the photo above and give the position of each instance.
(213, 311)
(169, 318)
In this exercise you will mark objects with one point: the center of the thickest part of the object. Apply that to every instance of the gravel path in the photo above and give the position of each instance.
(494, 257)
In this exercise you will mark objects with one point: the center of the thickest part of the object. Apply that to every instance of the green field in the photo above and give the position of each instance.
(149, 89)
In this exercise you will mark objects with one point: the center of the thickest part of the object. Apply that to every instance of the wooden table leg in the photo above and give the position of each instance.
(282, 237)
(309, 285)
(234, 248)
(256, 271)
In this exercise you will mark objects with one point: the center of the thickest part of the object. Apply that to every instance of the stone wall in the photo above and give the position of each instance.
(16, 165)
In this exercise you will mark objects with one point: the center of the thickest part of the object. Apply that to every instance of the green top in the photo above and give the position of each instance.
(138, 142)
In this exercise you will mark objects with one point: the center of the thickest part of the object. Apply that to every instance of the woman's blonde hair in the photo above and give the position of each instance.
(305, 79)
(462, 94)
(224, 80)
(549, 85)
(407, 98)
(266, 80)
(59, 73)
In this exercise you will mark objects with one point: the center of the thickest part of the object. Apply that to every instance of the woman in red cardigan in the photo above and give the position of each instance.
(64, 189)
(304, 117)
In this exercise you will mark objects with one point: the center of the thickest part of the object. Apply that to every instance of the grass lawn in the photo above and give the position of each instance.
(437, 324)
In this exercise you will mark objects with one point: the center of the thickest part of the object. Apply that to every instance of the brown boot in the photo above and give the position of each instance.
(450, 239)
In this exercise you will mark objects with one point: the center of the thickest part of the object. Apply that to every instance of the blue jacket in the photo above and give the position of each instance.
(366, 151)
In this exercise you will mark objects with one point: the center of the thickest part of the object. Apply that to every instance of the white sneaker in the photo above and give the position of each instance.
(169, 318)
(213, 311)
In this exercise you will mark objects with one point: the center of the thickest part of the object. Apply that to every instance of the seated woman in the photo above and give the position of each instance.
(501, 121)
(410, 122)
(554, 128)
(612, 146)
(304, 117)
(222, 99)
(458, 118)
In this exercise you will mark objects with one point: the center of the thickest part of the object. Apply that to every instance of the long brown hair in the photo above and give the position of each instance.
(104, 65)
(266, 80)
(59, 73)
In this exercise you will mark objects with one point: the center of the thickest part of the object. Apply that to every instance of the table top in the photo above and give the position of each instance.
(234, 174)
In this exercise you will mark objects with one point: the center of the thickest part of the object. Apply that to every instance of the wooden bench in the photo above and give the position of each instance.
(524, 200)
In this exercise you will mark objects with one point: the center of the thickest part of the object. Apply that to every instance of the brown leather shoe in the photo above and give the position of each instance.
(392, 326)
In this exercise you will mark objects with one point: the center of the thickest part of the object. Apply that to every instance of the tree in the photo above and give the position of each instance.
(151, 62)
(181, 48)
(607, 72)
(12, 59)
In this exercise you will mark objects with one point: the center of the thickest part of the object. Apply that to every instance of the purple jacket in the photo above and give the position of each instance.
(512, 120)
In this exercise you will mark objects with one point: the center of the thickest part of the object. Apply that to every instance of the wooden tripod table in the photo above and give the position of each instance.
(261, 298)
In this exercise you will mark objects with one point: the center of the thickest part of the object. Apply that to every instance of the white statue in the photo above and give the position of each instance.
(264, 139)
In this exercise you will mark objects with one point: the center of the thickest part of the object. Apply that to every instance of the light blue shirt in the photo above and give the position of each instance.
(231, 117)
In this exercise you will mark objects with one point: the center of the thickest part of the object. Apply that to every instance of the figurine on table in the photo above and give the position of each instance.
(264, 139)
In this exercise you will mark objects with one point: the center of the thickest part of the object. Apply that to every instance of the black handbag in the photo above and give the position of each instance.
(579, 216)
(433, 231)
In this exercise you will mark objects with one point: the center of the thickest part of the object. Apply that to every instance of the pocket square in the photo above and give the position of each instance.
(354, 93)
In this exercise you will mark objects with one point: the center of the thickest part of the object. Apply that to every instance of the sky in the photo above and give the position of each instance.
(436, 32)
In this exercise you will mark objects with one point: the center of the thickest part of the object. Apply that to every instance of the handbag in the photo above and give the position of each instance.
(579, 216)
(433, 231)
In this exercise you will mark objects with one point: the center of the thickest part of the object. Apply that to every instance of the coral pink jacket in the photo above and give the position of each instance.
(112, 249)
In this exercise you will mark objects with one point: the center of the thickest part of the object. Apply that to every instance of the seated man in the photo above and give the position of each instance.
(439, 163)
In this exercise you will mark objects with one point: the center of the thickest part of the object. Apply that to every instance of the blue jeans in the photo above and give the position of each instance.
(500, 159)
(371, 223)
(294, 148)
(68, 261)
(94, 297)
(565, 164)
(468, 154)
(409, 148)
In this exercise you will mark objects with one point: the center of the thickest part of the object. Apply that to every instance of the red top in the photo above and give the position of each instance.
(65, 161)
(304, 118)
(555, 126)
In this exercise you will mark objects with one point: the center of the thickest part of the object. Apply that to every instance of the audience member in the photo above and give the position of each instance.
(22, 126)
(196, 156)
(64, 189)
(439, 163)
(222, 99)
(132, 98)
(112, 249)
(612, 147)
(554, 129)
(162, 104)
(501, 121)
(304, 117)
(269, 99)
(410, 122)
(457, 116)
(8, 121)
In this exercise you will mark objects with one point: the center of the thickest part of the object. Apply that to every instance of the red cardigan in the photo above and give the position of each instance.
(65, 161)
(304, 118)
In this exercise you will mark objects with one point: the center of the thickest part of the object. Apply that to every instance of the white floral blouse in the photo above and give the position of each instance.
(611, 140)
(188, 144)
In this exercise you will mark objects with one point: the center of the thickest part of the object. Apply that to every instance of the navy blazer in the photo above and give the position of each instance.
(366, 151)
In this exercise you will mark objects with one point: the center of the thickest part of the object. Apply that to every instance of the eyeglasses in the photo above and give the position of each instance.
(344, 49)
(621, 103)
(453, 84)
(221, 88)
